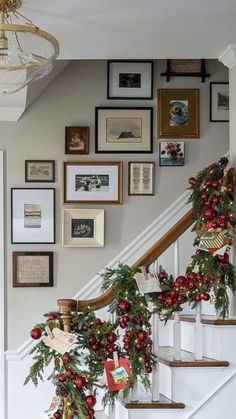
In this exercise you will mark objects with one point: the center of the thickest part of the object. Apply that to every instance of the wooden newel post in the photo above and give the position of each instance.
(66, 307)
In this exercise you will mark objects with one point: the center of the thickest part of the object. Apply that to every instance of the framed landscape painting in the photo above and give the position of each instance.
(219, 102)
(93, 182)
(178, 113)
(32, 215)
(123, 130)
(83, 228)
(129, 79)
(40, 171)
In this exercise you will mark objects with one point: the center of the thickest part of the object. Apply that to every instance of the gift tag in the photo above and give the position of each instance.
(58, 340)
(148, 282)
(117, 376)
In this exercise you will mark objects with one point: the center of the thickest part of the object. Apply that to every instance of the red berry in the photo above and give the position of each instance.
(52, 316)
(126, 319)
(126, 346)
(223, 217)
(162, 275)
(169, 301)
(198, 298)
(67, 358)
(214, 224)
(214, 184)
(80, 382)
(85, 327)
(94, 347)
(206, 297)
(148, 369)
(215, 199)
(204, 196)
(36, 333)
(224, 258)
(98, 321)
(198, 252)
(128, 333)
(90, 401)
(230, 189)
(61, 378)
(208, 183)
(139, 346)
(123, 325)
(180, 299)
(161, 297)
(209, 213)
(91, 340)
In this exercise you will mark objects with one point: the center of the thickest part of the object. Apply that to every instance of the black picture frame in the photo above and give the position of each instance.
(217, 115)
(40, 166)
(144, 174)
(31, 208)
(141, 119)
(142, 89)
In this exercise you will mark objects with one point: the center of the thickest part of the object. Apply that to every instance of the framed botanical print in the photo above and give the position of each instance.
(219, 102)
(93, 182)
(32, 215)
(32, 269)
(123, 130)
(129, 79)
(171, 153)
(83, 228)
(178, 113)
(141, 178)
(77, 140)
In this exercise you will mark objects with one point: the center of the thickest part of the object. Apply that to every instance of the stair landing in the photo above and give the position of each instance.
(165, 356)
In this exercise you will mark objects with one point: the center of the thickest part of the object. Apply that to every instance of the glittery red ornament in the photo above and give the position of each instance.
(61, 378)
(67, 358)
(123, 306)
(112, 337)
(192, 180)
(90, 401)
(36, 333)
(80, 382)
(142, 335)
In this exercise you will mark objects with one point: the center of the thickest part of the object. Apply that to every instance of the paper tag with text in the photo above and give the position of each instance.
(148, 283)
(55, 403)
(60, 341)
(117, 377)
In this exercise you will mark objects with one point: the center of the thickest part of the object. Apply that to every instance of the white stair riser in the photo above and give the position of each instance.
(123, 413)
(219, 342)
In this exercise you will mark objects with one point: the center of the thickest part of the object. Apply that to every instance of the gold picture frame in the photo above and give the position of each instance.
(178, 113)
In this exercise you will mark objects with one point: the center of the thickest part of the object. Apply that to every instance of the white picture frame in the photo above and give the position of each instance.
(33, 215)
(83, 227)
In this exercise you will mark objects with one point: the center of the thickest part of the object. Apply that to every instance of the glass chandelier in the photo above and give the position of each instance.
(26, 52)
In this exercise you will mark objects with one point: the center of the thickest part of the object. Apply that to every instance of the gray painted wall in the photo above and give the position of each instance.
(70, 100)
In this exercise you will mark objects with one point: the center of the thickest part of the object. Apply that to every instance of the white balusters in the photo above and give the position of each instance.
(198, 335)
(134, 393)
(176, 325)
(155, 373)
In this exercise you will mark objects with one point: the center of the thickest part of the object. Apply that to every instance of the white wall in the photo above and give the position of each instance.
(70, 100)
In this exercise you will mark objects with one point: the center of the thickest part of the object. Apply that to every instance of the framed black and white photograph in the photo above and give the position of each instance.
(83, 228)
(141, 178)
(123, 130)
(171, 153)
(77, 140)
(32, 215)
(129, 79)
(40, 171)
(219, 102)
(93, 182)
(32, 269)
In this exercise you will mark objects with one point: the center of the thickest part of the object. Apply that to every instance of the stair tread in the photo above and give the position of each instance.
(146, 402)
(213, 320)
(165, 356)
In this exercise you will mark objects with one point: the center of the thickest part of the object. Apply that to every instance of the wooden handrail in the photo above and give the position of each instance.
(149, 257)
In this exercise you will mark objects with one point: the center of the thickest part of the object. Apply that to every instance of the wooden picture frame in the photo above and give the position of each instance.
(93, 182)
(76, 140)
(130, 79)
(171, 153)
(32, 215)
(83, 228)
(123, 130)
(141, 178)
(32, 269)
(178, 113)
(185, 68)
(219, 102)
(40, 171)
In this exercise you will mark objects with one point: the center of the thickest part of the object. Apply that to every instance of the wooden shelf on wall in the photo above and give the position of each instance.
(171, 73)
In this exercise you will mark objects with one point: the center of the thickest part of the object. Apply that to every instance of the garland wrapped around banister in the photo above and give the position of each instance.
(123, 348)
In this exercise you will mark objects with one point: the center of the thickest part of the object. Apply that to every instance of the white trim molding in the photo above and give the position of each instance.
(2, 294)
(228, 57)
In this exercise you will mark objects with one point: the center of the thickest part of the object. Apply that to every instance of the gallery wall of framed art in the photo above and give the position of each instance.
(41, 136)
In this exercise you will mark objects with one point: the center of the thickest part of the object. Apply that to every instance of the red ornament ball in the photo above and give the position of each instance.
(57, 414)
(139, 346)
(61, 378)
(162, 275)
(148, 369)
(123, 306)
(192, 180)
(142, 335)
(204, 196)
(170, 301)
(198, 252)
(209, 213)
(198, 298)
(215, 199)
(80, 382)
(230, 189)
(224, 258)
(67, 358)
(90, 401)
(85, 327)
(36, 333)
(112, 337)
(205, 296)
(161, 297)
(70, 373)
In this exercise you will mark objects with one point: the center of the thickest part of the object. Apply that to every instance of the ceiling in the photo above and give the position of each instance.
(90, 29)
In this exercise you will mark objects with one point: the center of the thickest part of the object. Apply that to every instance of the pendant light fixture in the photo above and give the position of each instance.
(26, 52)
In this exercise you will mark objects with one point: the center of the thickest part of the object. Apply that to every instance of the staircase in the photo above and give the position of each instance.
(196, 355)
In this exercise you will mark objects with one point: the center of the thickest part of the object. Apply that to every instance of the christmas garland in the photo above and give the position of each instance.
(77, 373)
